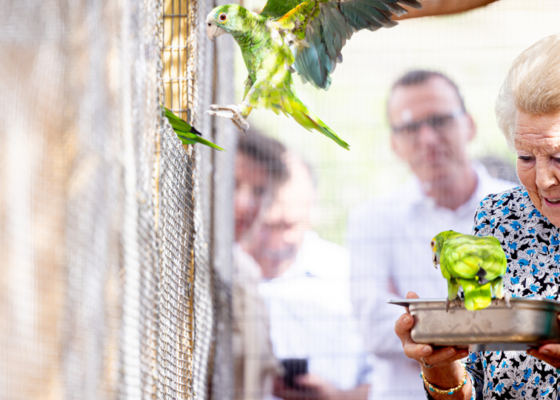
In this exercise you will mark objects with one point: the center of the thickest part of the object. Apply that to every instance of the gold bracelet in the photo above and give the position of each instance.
(446, 391)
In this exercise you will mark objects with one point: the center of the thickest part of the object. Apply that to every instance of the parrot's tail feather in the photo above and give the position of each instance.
(310, 121)
(195, 131)
(477, 296)
(325, 130)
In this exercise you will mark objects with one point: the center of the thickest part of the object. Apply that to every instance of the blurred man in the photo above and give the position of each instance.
(306, 290)
(389, 237)
(259, 168)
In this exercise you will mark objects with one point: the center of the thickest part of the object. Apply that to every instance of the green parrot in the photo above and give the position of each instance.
(187, 134)
(476, 263)
(289, 36)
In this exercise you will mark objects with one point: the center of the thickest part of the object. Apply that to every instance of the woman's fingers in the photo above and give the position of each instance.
(423, 352)
(551, 350)
(549, 353)
(417, 351)
(445, 356)
(402, 328)
(411, 295)
(411, 349)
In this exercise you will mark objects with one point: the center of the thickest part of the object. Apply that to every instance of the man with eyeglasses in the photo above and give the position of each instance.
(389, 236)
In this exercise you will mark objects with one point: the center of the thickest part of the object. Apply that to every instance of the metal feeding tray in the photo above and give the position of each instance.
(529, 323)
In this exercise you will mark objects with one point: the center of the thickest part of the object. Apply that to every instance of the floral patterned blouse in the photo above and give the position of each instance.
(532, 247)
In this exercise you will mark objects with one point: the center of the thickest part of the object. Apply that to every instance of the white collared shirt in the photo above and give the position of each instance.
(311, 314)
(389, 240)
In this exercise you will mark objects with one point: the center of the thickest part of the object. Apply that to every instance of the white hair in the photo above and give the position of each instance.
(531, 86)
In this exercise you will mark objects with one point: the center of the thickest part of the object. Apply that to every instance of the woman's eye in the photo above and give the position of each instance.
(524, 158)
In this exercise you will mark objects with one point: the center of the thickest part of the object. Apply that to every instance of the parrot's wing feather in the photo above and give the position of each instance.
(178, 123)
(279, 8)
(186, 133)
(189, 138)
(324, 26)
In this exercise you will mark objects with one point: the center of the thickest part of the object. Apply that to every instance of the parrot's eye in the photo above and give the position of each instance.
(433, 243)
(222, 17)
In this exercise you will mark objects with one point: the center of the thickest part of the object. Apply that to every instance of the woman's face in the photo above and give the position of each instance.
(537, 141)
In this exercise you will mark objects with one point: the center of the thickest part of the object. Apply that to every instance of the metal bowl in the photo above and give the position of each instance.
(531, 322)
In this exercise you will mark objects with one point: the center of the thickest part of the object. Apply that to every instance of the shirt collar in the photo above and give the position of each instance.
(483, 187)
(299, 267)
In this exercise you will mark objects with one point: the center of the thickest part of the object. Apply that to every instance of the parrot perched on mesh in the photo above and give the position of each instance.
(477, 264)
(186, 133)
(289, 36)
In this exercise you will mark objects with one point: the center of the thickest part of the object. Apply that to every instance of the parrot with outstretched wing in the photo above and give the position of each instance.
(294, 35)
(186, 133)
(477, 264)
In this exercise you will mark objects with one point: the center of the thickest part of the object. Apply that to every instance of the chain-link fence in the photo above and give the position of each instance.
(108, 226)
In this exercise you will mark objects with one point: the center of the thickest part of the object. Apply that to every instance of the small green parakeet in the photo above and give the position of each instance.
(477, 264)
(186, 133)
(289, 36)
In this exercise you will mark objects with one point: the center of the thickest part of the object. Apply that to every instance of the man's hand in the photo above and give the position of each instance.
(314, 387)
(549, 353)
(310, 387)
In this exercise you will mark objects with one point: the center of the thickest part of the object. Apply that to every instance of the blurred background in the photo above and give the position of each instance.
(122, 271)
(474, 48)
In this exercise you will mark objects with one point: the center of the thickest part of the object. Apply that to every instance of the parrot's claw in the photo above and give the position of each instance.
(230, 112)
(448, 303)
(506, 299)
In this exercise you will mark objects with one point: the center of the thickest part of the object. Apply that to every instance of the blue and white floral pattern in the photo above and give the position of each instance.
(532, 247)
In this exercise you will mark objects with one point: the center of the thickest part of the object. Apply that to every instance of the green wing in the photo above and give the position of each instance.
(279, 8)
(476, 263)
(459, 259)
(326, 26)
(465, 255)
(186, 133)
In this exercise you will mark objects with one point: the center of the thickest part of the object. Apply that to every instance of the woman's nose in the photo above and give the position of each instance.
(546, 176)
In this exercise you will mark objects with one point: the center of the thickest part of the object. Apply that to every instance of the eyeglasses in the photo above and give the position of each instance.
(440, 123)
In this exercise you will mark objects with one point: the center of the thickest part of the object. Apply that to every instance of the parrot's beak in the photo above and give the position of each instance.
(435, 260)
(213, 30)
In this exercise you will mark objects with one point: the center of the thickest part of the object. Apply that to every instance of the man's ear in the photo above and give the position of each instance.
(396, 145)
(472, 127)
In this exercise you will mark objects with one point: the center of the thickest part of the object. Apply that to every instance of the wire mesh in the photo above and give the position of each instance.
(105, 217)
(175, 340)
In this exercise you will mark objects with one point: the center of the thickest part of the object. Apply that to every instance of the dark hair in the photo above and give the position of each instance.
(419, 76)
(266, 151)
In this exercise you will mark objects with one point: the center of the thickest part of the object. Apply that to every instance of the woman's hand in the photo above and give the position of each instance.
(549, 353)
(439, 366)
(423, 353)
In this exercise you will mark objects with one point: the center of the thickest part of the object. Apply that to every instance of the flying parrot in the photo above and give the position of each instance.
(477, 264)
(294, 35)
(187, 134)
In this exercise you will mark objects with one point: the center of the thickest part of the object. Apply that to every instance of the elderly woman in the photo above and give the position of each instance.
(526, 220)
